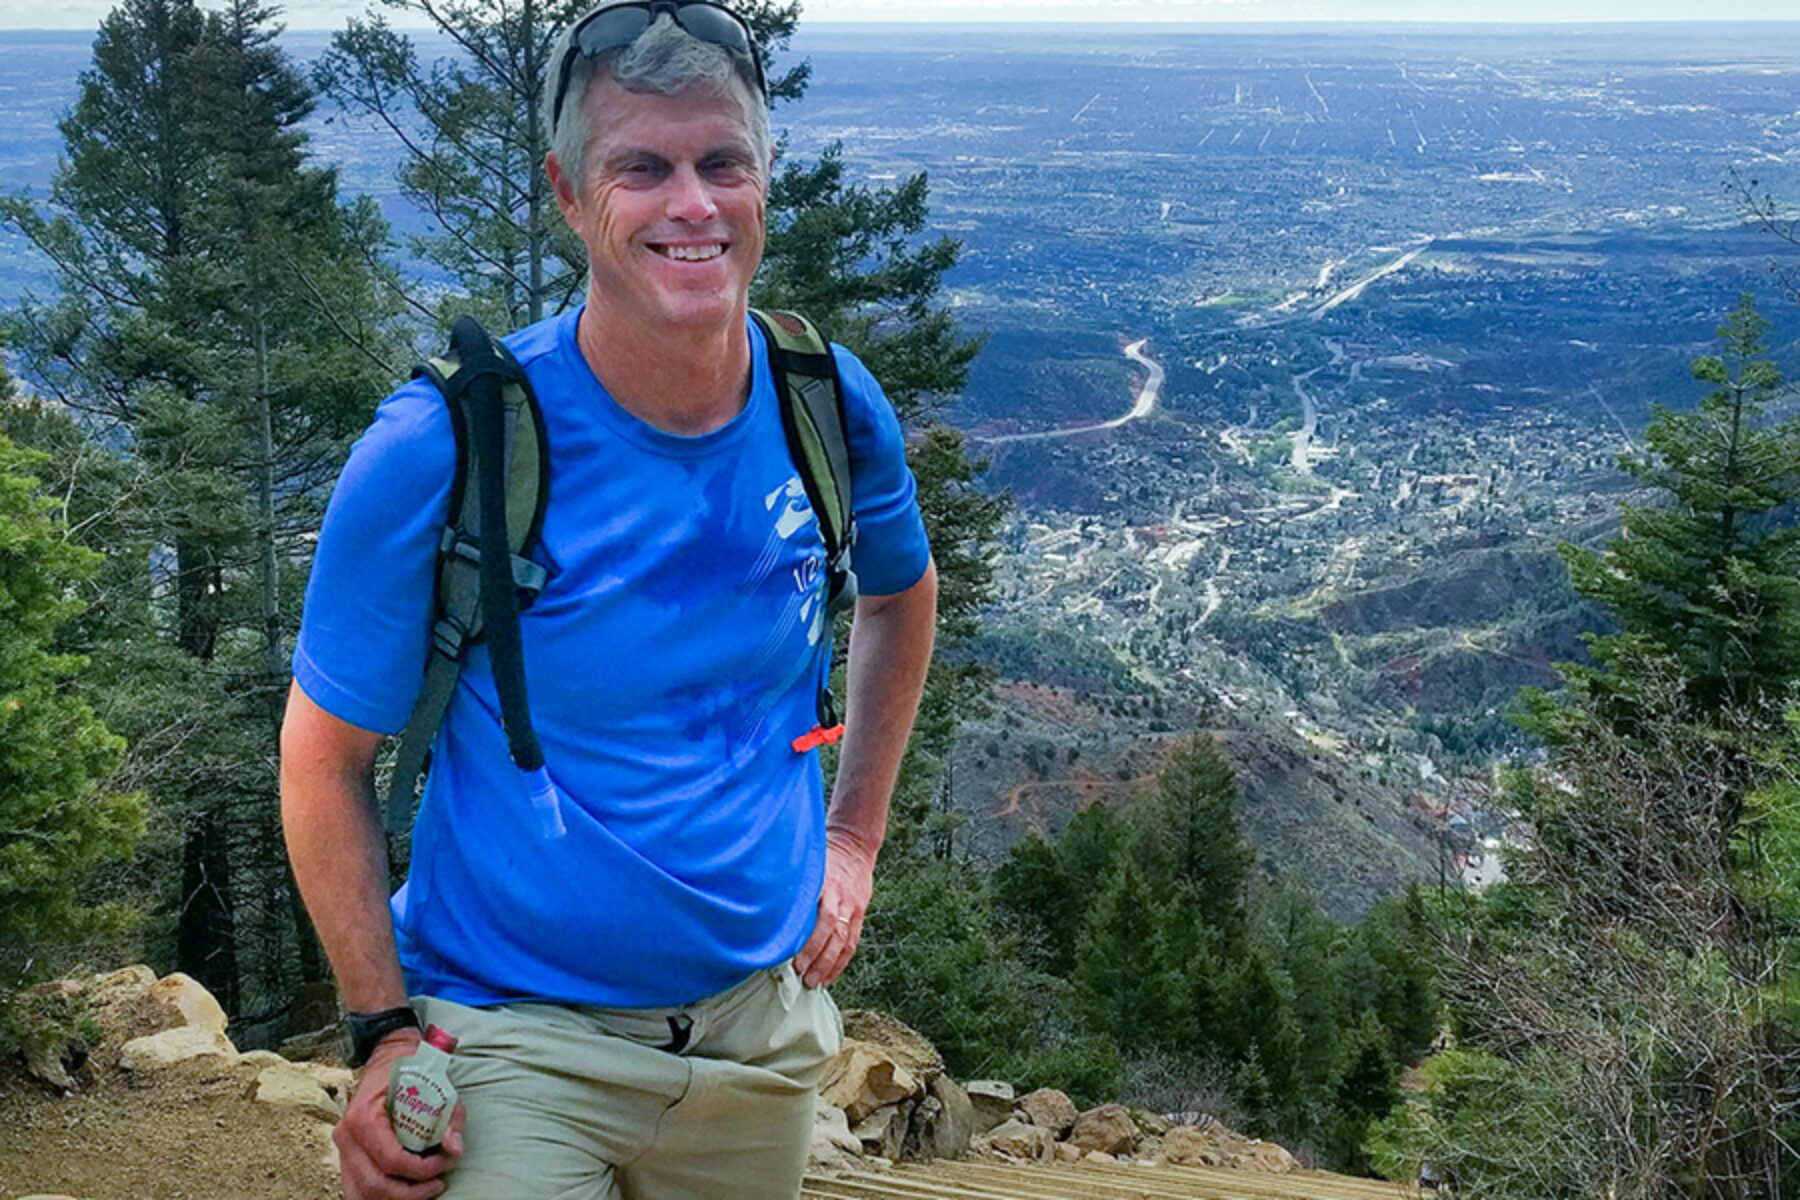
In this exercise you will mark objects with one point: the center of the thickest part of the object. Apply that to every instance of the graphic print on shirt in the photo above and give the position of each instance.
(793, 518)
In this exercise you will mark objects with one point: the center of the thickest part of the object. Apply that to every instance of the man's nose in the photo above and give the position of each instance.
(690, 197)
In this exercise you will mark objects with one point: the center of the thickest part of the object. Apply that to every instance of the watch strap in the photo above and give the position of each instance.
(367, 1030)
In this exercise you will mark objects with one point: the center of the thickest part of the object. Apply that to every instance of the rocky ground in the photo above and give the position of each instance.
(128, 1088)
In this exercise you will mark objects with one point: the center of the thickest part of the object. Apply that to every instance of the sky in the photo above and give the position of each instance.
(330, 14)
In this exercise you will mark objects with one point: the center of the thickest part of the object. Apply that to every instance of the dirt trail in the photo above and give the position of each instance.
(1084, 782)
(186, 1133)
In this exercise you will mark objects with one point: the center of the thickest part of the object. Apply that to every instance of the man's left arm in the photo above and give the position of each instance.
(890, 651)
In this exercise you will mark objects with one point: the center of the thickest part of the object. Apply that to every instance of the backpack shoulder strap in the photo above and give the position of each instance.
(811, 397)
(517, 443)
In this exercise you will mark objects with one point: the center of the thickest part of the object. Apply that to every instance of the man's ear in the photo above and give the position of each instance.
(563, 186)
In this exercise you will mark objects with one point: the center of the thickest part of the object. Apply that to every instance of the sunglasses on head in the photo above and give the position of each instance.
(619, 25)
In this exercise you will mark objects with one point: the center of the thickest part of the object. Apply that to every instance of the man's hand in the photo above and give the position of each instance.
(373, 1164)
(849, 879)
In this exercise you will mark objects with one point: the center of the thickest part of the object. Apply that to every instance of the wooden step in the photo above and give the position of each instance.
(1092, 1181)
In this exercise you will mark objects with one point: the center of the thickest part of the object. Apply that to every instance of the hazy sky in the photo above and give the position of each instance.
(326, 14)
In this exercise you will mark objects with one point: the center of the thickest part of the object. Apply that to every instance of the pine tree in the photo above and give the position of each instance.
(219, 323)
(844, 254)
(60, 818)
(1088, 851)
(1710, 574)
(1367, 1089)
(1190, 840)
(1302, 943)
(1256, 1031)
(1125, 984)
(1032, 893)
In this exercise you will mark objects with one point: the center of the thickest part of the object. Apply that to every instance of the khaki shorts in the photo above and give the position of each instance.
(578, 1103)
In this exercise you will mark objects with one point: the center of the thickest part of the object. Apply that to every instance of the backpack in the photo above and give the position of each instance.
(498, 494)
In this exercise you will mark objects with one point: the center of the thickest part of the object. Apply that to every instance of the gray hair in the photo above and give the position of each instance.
(665, 59)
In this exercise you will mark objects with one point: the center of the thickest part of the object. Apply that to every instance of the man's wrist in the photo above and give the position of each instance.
(369, 1029)
(844, 835)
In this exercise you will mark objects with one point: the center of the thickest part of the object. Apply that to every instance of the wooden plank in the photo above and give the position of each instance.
(943, 1180)
(1126, 1182)
(1314, 1185)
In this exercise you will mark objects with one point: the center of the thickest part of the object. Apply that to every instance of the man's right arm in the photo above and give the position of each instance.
(334, 839)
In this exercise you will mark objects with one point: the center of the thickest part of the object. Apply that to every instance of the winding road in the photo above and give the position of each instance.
(1142, 407)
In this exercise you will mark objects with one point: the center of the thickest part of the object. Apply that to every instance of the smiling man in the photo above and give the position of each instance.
(636, 994)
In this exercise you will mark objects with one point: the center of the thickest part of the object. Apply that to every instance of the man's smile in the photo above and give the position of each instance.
(689, 252)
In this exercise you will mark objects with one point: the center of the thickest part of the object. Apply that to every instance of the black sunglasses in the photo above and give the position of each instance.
(619, 25)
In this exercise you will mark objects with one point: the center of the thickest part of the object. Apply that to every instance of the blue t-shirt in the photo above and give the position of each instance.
(674, 655)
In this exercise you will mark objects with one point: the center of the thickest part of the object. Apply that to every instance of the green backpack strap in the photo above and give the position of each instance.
(811, 399)
(517, 441)
(812, 416)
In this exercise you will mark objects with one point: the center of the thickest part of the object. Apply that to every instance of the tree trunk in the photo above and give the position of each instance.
(535, 235)
(206, 943)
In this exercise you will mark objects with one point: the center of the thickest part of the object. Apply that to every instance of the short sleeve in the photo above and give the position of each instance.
(891, 551)
(366, 624)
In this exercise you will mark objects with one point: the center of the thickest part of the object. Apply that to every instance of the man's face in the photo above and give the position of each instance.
(671, 209)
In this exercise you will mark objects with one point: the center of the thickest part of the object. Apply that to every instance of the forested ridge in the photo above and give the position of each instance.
(1617, 1017)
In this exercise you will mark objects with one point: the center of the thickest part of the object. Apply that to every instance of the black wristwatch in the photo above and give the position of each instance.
(367, 1030)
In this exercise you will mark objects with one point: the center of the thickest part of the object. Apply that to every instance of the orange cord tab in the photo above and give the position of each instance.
(818, 736)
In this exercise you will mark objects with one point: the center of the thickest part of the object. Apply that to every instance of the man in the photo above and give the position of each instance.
(636, 996)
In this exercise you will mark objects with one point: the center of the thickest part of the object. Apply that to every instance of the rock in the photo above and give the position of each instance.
(188, 1002)
(949, 1133)
(1107, 1129)
(1187, 1146)
(904, 1044)
(329, 1044)
(1049, 1109)
(44, 1051)
(1023, 1142)
(1065, 1153)
(174, 1045)
(861, 1078)
(992, 1101)
(925, 1114)
(1266, 1156)
(125, 983)
(826, 1155)
(261, 1058)
(121, 1005)
(829, 1124)
(1098, 1159)
(288, 1086)
(883, 1132)
(338, 1082)
(1150, 1123)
